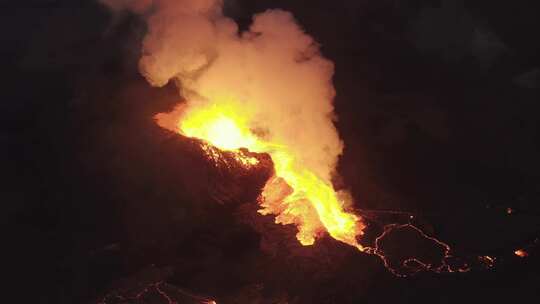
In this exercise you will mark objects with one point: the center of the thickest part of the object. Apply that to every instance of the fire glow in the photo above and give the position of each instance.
(266, 89)
(295, 194)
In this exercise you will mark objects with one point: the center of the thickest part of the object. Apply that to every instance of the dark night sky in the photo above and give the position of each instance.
(438, 108)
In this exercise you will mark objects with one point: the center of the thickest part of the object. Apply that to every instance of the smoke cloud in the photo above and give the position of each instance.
(274, 70)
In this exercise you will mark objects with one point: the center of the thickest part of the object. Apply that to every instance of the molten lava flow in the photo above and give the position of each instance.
(521, 253)
(158, 292)
(266, 89)
(295, 195)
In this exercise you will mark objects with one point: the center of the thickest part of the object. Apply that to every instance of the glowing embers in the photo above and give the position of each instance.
(521, 253)
(158, 292)
(294, 195)
(421, 253)
(241, 156)
(487, 261)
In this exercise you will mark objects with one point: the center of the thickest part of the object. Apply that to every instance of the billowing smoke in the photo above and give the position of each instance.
(274, 70)
(280, 89)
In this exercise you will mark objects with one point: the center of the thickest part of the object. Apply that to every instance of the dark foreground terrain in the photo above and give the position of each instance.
(438, 109)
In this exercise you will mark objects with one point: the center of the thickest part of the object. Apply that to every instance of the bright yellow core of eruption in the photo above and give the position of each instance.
(295, 195)
(222, 132)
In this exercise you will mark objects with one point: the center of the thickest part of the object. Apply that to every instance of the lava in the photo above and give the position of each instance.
(295, 194)
(521, 253)
(411, 265)
(266, 89)
(157, 291)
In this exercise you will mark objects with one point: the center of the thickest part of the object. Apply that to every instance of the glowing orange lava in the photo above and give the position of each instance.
(295, 195)
(521, 253)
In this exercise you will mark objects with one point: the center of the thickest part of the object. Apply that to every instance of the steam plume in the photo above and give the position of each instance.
(281, 90)
(274, 70)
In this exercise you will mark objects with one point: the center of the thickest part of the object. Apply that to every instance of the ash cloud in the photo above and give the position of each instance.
(273, 69)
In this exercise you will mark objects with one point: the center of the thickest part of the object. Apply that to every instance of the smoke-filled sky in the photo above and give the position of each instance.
(436, 107)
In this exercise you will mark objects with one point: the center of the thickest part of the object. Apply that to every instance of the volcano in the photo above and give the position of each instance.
(235, 151)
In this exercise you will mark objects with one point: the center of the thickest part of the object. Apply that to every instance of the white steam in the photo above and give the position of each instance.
(274, 70)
